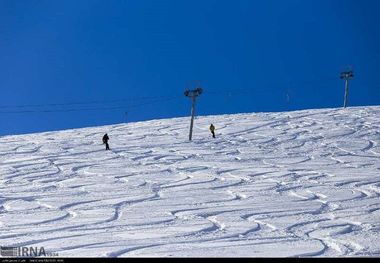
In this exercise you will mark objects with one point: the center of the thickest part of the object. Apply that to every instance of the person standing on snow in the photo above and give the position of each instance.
(105, 141)
(212, 129)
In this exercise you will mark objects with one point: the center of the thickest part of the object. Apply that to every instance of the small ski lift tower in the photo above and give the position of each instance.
(193, 94)
(346, 75)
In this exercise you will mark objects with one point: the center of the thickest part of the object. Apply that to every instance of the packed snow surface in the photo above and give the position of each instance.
(302, 183)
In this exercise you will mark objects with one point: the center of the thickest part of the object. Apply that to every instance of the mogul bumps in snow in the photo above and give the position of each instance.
(212, 129)
(105, 141)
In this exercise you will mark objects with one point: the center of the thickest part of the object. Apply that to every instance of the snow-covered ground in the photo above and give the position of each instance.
(302, 183)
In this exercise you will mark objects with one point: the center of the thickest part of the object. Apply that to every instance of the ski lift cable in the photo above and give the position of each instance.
(161, 97)
(90, 109)
(84, 102)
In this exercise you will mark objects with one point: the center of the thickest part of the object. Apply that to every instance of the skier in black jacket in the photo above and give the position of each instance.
(105, 141)
(212, 129)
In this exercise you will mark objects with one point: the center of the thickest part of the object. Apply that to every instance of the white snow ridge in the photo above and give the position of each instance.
(289, 184)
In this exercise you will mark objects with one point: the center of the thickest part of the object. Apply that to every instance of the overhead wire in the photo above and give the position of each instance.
(150, 100)
(84, 102)
(125, 107)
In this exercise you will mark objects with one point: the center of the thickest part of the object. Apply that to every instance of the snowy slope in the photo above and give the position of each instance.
(302, 183)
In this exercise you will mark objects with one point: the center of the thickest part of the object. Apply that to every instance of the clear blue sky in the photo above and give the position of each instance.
(250, 56)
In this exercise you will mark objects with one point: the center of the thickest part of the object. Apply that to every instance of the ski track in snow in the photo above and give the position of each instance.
(290, 184)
